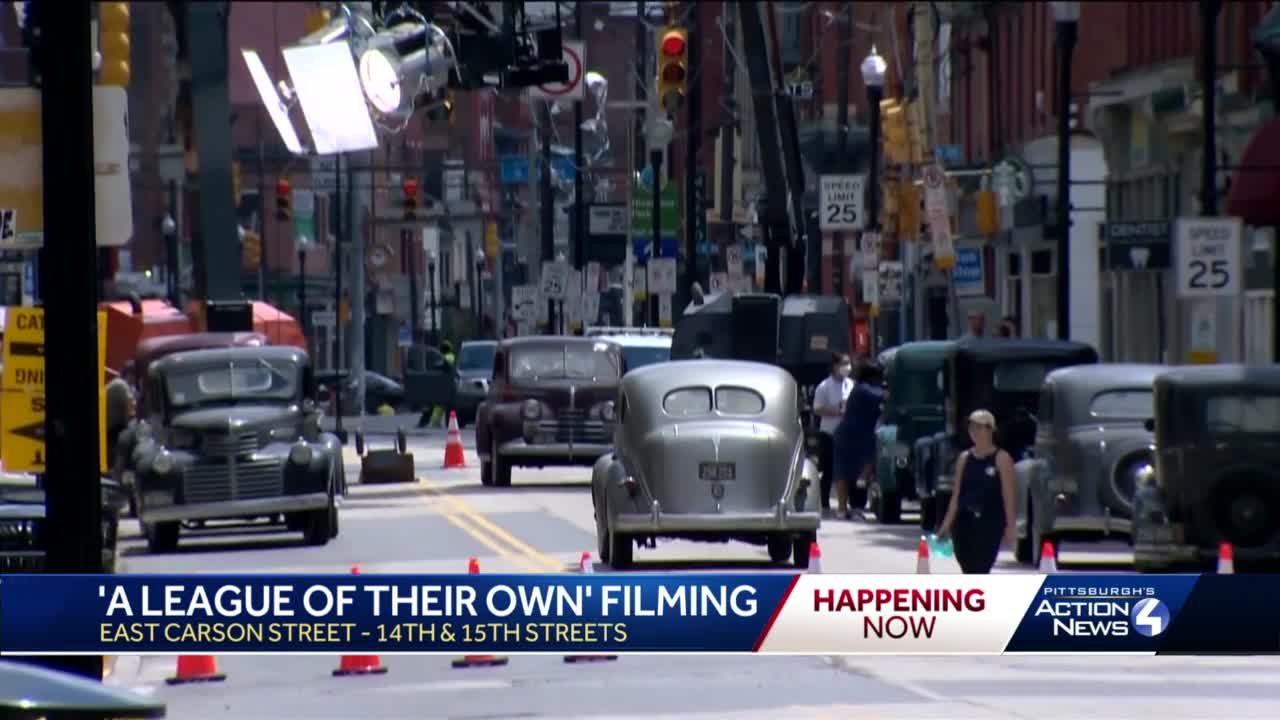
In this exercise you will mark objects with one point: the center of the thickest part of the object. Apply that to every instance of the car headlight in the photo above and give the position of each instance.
(300, 454)
(532, 410)
(182, 440)
(163, 463)
(17, 530)
(606, 412)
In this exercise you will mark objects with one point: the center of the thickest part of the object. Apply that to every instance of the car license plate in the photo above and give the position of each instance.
(717, 472)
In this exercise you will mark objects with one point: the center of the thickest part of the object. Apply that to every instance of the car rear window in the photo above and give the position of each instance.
(688, 401)
(1243, 414)
(1123, 404)
(739, 401)
(1019, 376)
(640, 356)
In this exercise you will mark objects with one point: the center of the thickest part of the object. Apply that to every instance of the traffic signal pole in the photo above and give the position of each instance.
(693, 141)
(72, 478)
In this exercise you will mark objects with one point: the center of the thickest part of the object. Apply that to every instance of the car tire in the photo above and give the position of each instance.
(857, 498)
(602, 534)
(1038, 539)
(886, 505)
(501, 468)
(402, 441)
(1022, 551)
(928, 514)
(360, 443)
(800, 549)
(621, 550)
(486, 472)
(780, 547)
(162, 537)
(321, 525)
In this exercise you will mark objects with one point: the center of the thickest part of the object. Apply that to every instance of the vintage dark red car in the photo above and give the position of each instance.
(550, 404)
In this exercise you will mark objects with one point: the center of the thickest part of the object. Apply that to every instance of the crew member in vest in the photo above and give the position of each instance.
(828, 405)
(981, 515)
(437, 413)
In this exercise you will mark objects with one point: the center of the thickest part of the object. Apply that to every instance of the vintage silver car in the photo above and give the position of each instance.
(711, 451)
(1091, 448)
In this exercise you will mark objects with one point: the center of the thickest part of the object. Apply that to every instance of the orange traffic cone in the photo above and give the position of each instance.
(473, 568)
(359, 664)
(1226, 559)
(196, 668)
(922, 557)
(586, 567)
(815, 558)
(454, 455)
(1048, 557)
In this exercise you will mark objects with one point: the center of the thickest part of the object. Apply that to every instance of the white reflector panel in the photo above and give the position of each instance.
(324, 77)
(271, 99)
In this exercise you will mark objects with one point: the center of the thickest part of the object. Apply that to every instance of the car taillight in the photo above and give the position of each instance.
(630, 485)
(509, 395)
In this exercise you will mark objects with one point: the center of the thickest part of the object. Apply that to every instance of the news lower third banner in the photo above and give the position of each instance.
(658, 613)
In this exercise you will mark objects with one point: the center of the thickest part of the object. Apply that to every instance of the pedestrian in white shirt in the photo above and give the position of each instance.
(828, 404)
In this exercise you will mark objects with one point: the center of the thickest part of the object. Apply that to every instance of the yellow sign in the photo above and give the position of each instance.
(21, 156)
(491, 239)
(22, 443)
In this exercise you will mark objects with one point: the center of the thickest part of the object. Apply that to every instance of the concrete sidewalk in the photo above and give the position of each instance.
(381, 425)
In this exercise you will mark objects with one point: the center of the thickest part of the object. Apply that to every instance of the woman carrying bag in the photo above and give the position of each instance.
(981, 511)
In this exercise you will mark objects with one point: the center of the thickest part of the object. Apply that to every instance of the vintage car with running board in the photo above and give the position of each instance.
(1217, 470)
(1091, 447)
(551, 404)
(234, 434)
(912, 410)
(711, 451)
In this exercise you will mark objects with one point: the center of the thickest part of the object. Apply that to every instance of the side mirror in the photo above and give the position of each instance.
(1150, 424)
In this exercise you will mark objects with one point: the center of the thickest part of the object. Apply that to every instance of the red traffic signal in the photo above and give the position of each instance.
(673, 43)
(673, 74)
(282, 187)
(410, 187)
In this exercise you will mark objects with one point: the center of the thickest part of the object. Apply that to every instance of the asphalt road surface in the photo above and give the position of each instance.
(543, 523)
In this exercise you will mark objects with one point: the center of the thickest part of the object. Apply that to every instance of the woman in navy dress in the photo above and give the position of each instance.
(855, 437)
(981, 514)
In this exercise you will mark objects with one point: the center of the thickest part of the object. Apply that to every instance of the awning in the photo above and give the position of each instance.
(1255, 186)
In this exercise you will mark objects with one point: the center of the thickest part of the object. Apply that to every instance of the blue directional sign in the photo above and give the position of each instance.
(563, 167)
(514, 169)
(642, 248)
(967, 274)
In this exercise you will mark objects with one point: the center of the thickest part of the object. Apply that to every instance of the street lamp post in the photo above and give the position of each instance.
(1067, 18)
(431, 289)
(480, 258)
(873, 69)
(302, 287)
(169, 229)
(406, 247)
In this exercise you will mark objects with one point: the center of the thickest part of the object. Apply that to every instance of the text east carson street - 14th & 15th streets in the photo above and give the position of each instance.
(344, 633)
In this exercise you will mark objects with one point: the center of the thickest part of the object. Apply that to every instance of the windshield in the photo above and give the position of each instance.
(237, 380)
(1124, 405)
(477, 357)
(1243, 414)
(1023, 377)
(917, 387)
(641, 356)
(577, 362)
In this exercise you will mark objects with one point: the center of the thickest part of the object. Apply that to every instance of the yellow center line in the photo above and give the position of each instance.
(476, 525)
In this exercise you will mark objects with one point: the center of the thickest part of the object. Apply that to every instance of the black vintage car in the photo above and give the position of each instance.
(24, 534)
(1000, 375)
(912, 410)
(234, 434)
(1217, 473)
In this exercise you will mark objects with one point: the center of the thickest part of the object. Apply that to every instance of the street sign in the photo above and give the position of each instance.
(841, 202)
(1137, 245)
(572, 54)
(642, 209)
(869, 258)
(871, 287)
(524, 303)
(664, 310)
(662, 275)
(1209, 256)
(607, 219)
(800, 90)
(968, 274)
(555, 280)
(324, 318)
(889, 291)
(733, 259)
(642, 248)
(22, 409)
(304, 216)
(513, 169)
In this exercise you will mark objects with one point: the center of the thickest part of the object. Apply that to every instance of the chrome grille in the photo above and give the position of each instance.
(221, 482)
(15, 562)
(573, 426)
(234, 445)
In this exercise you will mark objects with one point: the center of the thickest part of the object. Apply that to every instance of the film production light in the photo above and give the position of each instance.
(271, 99)
(403, 62)
(325, 81)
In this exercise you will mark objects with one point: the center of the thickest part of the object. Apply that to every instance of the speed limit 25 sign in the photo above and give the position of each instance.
(1209, 256)
(841, 201)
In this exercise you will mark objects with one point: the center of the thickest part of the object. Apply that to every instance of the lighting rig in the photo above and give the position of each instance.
(367, 64)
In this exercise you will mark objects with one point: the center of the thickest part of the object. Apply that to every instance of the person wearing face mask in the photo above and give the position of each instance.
(981, 512)
(828, 404)
(855, 442)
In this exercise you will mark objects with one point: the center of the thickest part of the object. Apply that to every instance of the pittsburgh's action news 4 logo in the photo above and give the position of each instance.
(1103, 611)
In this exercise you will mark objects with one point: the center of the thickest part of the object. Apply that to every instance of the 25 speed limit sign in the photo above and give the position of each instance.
(1209, 260)
(841, 201)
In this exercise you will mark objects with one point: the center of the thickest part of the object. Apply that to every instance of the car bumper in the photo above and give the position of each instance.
(236, 508)
(586, 453)
(1065, 520)
(658, 522)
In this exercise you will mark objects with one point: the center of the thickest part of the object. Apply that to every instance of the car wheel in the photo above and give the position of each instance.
(402, 440)
(360, 443)
(162, 537)
(486, 473)
(800, 549)
(320, 527)
(1022, 551)
(780, 548)
(602, 534)
(1038, 539)
(886, 505)
(621, 549)
(857, 497)
(928, 514)
(501, 468)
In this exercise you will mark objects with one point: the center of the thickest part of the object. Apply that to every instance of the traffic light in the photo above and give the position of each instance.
(251, 250)
(113, 43)
(315, 21)
(235, 183)
(284, 200)
(673, 52)
(410, 187)
(893, 128)
(988, 212)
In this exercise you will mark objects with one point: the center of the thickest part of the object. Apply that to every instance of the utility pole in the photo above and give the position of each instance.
(639, 138)
(1065, 27)
(695, 214)
(655, 162)
(339, 258)
(410, 253)
(729, 130)
(1209, 11)
(548, 208)
(72, 478)
(359, 217)
(262, 213)
(844, 60)
(579, 225)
